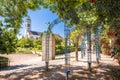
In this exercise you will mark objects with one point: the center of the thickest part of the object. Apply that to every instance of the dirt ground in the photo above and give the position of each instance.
(34, 69)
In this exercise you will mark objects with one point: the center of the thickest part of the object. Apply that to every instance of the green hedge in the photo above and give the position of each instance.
(61, 49)
(3, 62)
(71, 48)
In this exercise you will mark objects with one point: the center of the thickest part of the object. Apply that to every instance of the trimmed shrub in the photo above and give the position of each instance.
(3, 62)
(71, 48)
(59, 49)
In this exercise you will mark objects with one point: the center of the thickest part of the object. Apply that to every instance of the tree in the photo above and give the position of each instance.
(13, 11)
(8, 41)
(58, 41)
(75, 37)
(108, 11)
(59, 46)
(25, 43)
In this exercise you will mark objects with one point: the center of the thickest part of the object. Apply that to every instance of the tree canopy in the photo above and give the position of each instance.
(14, 10)
(78, 13)
(71, 12)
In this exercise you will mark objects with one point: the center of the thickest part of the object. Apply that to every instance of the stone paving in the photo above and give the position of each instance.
(34, 69)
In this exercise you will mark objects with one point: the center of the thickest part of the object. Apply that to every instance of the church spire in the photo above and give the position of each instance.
(27, 25)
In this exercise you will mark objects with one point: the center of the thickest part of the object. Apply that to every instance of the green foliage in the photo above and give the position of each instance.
(37, 42)
(25, 43)
(82, 13)
(3, 62)
(29, 44)
(59, 46)
(108, 11)
(78, 13)
(59, 49)
(71, 12)
(8, 40)
(105, 45)
(58, 41)
(75, 36)
(14, 10)
(71, 48)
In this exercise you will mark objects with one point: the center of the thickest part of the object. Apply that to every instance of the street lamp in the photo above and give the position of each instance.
(89, 46)
(98, 44)
(67, 54)
(82, 47)
(47, 35)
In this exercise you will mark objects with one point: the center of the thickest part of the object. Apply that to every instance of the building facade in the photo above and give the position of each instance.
(28, 32)
(34, 34)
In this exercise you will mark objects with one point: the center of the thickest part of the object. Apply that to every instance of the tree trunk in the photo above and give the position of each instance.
(76, 49)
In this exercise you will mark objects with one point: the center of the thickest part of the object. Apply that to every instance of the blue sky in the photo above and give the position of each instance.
(39, 19)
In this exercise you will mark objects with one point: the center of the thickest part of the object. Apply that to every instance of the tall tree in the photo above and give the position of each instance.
(8, 41)
(75, 37)
(12, 11)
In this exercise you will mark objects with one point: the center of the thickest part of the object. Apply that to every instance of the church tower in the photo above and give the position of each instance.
(27, 26)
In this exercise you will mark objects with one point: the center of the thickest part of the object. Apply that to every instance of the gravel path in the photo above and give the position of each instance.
(23, 59)
(31, 67)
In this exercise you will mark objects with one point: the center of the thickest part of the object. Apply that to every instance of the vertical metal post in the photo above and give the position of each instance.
(82, 48)
(89, 47)
(98, 50)
(67, 55)
(47, 51)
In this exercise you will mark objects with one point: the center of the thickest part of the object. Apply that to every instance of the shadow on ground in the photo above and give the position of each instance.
(14, 67)
(100, 72)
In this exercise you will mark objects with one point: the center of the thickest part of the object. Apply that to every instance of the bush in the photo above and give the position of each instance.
(24, 50)
(71, 48)
(39, 47)
(59, 49)
(3, 62)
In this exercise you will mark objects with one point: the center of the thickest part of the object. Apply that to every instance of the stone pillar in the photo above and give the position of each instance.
(51, 47)
(43, 47)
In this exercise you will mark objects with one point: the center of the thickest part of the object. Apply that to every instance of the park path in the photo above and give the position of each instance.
(30, 67)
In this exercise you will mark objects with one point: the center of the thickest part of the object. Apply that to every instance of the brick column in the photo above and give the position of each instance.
(51, 47)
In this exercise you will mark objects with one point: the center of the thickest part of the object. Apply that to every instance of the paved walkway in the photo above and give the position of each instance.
(32, 68)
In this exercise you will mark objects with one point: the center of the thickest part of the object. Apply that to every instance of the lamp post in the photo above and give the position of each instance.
(99, 49)
(47, 50)
(83, 48)
(89, 46)
(98, 44)
(67, 54)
